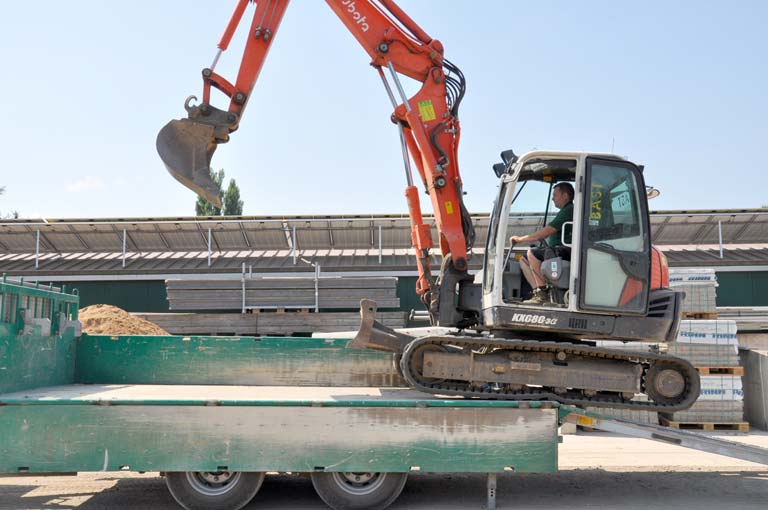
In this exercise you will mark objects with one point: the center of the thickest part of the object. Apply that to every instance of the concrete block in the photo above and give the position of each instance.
(755, 387)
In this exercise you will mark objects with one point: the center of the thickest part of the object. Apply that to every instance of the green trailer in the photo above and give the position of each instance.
(214, 414)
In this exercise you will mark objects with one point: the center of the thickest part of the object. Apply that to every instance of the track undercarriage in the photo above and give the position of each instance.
(481, 366)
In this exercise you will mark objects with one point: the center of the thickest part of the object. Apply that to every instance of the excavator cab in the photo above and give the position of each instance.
(603, 288)
(521, 350)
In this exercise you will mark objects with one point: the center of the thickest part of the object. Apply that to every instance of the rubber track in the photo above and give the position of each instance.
(601, 399)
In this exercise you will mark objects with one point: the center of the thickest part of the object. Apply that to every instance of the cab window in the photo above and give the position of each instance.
(614, 216)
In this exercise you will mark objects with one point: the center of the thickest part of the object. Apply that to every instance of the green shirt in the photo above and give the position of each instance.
(565, 215)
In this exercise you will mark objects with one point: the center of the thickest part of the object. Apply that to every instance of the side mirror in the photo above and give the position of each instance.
(508, 156)
(499, 169)
(566, 225)
(651, 192)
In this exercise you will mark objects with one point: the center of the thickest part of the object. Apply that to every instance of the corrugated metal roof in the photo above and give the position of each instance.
(221, 262)
(346, 243)
(226, 234)
(711, 257)
(265, 261)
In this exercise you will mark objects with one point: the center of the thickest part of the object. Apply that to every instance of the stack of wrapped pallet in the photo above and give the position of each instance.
(712, 347)
(700, 287)
(635, 415)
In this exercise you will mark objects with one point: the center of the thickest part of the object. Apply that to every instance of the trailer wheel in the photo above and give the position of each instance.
(209, 490)
(353, 491)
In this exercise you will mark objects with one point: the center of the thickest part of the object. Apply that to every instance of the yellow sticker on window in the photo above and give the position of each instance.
(426, 110)
(449, 207)
(596, 212)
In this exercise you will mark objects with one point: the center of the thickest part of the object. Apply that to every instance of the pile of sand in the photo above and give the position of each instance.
(111, 320)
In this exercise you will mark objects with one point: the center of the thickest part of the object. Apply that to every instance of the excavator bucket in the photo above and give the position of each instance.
(186, 147)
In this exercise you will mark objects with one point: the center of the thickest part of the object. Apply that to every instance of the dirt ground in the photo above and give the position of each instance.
(599, 471)
(111, 320)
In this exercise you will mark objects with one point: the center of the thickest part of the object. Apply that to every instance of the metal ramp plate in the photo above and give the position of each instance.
(684, 438)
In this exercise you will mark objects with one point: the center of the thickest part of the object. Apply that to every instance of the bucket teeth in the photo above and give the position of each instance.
(186, 147)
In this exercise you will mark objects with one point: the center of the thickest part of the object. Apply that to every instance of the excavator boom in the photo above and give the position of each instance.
(428, 121)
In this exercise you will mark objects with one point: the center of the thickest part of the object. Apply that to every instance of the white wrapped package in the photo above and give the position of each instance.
(721, 387)
(703, 275)
(711, 332)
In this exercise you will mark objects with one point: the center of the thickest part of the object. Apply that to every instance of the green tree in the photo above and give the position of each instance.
(231, 202)
(233, 206)
(13, 214)
(204, 207)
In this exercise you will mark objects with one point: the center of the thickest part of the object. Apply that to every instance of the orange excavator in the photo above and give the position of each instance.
(605, 282)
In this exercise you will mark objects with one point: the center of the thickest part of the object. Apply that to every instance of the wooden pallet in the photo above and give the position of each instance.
(700, 315)
(708, 426)
(737, 371)
(280, 309)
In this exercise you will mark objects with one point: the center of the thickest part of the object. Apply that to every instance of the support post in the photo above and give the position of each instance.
(491, 491)
(124, 235)
(379, 244)
(242, 288)
(720, 232)
(293, 245)
(37, 248)
(317, 288)
(209, 247)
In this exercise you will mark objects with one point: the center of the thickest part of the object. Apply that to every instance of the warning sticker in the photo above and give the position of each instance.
(426, 110)
(449, 207)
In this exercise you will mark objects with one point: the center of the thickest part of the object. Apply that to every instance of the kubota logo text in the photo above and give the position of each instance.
(359, 18)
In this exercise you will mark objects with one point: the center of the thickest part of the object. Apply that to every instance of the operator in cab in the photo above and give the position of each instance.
(530, 264)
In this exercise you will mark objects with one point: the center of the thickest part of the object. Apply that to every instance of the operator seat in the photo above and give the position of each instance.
(556, 270)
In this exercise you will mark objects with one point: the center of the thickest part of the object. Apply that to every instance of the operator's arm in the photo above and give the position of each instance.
(535, 236)
(555, 226)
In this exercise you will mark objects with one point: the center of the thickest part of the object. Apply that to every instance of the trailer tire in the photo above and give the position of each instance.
(357, 491)
(206, 490)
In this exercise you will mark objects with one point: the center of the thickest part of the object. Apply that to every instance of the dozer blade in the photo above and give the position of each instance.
(186, 148)
(375, 335)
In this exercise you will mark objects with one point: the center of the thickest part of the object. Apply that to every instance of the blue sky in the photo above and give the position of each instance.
(677, 86)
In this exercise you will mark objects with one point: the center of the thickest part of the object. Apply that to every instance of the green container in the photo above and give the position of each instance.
(174, 403)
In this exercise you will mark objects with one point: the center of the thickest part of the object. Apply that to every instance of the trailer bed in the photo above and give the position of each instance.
(95, 427)
(183, 394)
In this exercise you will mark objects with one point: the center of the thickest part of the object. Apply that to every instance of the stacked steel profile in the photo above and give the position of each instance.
(211, 303)
(280, 293)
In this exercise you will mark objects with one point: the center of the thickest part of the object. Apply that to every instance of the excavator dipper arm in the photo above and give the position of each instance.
(428, 121)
